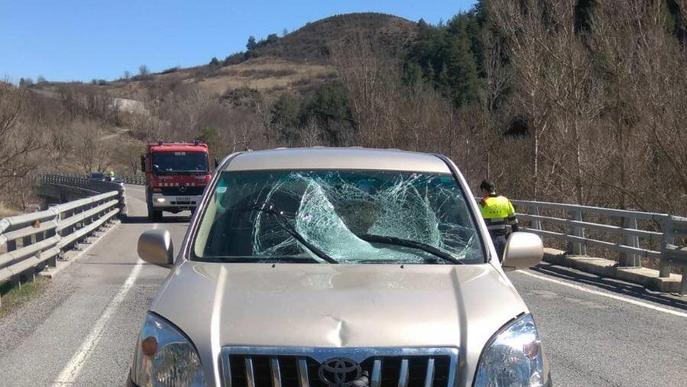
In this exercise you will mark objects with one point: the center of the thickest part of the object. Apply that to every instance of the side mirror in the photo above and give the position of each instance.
(156, 247)
(143, 164)
(523, 251)
(216, 163)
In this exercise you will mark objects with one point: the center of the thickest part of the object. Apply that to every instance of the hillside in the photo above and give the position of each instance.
(314, 42)
(593, 114)
(278, 92)
(298, 61)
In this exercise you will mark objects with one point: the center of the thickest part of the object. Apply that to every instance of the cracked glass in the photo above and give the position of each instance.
(349, 216)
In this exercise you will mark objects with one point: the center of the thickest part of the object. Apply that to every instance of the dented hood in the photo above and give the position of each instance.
(323, 305)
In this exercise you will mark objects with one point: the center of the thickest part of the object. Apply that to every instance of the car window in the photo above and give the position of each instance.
(351, 216)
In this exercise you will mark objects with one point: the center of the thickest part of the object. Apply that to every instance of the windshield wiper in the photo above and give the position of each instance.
(410, 243)
(284, 223)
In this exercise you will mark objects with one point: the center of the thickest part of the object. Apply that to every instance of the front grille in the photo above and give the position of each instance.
(284, 367)
(182, 191)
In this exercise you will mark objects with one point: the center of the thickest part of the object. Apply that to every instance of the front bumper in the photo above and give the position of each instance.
(176, 201)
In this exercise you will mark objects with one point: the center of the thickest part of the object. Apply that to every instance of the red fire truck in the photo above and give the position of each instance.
(176, 175)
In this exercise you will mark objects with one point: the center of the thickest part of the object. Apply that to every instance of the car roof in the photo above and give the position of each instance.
(337, 158)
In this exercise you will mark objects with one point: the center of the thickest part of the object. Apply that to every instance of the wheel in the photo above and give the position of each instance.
(153, 214)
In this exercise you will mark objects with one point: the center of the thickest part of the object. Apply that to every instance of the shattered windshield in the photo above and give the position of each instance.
(338, 216)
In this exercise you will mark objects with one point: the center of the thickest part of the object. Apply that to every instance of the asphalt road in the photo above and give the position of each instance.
(82, 329)
(56, 331)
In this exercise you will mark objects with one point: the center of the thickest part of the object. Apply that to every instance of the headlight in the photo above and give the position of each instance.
(513, 357)
(165, 357)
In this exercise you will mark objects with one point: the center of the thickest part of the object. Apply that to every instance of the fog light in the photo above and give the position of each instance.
(160, 200)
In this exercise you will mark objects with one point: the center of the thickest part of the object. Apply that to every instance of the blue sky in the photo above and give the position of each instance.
(99, 39)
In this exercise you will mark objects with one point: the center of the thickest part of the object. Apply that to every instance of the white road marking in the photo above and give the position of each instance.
(71, 371)
(608, 295)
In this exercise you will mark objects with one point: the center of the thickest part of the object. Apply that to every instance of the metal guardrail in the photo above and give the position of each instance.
(574, 226)
(134, 180)
(673, 227)
(29, 242)
(85, 181)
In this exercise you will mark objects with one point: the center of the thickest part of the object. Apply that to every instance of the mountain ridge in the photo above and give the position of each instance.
(296, 59)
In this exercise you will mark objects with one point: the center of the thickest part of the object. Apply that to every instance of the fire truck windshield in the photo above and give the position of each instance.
(180, 162)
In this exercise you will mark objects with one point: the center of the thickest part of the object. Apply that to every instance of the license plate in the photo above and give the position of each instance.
(183, 199)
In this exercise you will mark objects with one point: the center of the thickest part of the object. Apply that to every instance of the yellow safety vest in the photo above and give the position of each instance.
(498, 212)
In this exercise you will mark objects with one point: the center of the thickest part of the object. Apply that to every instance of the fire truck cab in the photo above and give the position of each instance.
(176, 176)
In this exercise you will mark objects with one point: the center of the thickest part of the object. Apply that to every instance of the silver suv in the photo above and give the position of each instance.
(338, 267)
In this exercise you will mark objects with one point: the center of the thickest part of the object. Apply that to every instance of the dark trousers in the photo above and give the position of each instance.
(499, 244)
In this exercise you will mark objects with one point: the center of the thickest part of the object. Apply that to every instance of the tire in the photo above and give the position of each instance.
(153, 214)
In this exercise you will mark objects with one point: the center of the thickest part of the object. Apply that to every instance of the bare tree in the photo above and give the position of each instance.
(557, 90)
(21, 143)
(662, 82)
(311, 134)
(369, 78)
(128, 155)
(499, 77)
(91, 152)
(526, 38)
(18, 139)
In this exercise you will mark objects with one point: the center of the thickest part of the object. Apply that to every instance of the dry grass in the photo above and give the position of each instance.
(264, 74)
(14, 296)
(6, 211)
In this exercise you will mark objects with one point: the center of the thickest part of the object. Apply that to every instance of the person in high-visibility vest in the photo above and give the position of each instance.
(499, 214)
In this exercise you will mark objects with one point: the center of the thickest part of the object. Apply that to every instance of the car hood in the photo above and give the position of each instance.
(321, 305)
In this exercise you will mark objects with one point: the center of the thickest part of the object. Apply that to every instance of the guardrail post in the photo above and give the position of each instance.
(576, 247)
(628, 259)
(536, 223)
(668, 239)
(122, 201)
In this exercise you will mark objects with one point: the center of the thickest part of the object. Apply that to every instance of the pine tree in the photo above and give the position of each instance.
(286, 113)
(252, 44)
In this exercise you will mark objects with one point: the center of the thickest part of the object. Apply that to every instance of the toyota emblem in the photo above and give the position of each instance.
(339, 372)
